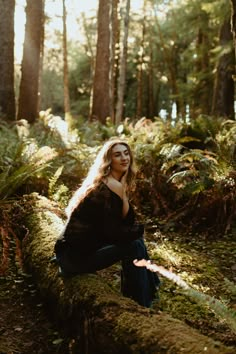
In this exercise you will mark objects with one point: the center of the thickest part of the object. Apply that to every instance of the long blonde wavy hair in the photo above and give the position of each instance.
(98, 172)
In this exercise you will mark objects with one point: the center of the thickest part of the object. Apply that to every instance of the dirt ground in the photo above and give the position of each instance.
(25, 327)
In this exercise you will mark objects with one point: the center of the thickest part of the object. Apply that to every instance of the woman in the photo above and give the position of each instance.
(101, 228)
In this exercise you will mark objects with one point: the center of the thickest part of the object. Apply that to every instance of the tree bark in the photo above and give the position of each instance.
(101, 320)
(65, 65)
(101, 104)
(233, 22)
(114, 56)
(139, 74)
(29, 84)
(41, 60)
(123, 64)
(171, 62)
(89, 48)
(150, 84)
(223, 96)
(202, 95)
(7, 93)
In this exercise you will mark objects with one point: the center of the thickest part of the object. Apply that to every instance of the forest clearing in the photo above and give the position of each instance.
(159, 75)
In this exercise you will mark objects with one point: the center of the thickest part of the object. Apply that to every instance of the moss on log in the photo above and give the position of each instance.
(99, 318)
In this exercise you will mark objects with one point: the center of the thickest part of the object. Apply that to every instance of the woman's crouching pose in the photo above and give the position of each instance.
(102, 229)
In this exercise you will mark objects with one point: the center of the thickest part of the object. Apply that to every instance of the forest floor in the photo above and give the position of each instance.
(208, 265)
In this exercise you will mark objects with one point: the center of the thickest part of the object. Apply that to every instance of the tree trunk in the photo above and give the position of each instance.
(7, 93)
(122, 71)
(29, 84)
(98, 317)
(65, 65)
(114, 56)
(90, 50)
(101, 104)
(223, 97)
(233, 22)
(171, 60)
(139, 108)
(202, 95)
(41, 60)
(150, 84)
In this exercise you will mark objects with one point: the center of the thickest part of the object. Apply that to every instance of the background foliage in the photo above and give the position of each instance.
(186, 173)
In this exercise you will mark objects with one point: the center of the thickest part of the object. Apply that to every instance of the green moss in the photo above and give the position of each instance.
(92, 299)
(202, 265)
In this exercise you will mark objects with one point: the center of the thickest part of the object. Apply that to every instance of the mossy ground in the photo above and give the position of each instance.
(208, 265)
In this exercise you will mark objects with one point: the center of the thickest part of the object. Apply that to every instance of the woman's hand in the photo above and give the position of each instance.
(123, 180)
(125, 198)
(120, 188)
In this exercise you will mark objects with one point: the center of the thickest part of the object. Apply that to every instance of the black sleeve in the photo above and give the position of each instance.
(116, 228)
(98, 220)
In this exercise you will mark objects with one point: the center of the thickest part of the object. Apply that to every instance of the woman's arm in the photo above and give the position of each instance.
(124, 195)
(120, 188)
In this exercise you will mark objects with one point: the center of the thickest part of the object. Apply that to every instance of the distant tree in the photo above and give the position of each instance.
(7, 94)
(29, 84)
(65, 64)
(90, 52)
(114, 55)
(233, 25)
(202, 93)
(139, 68)
(150, 96)
(122, 68)
(41, 60)
(233, 17)
(223, 98)
(169, 46)
(101, 104)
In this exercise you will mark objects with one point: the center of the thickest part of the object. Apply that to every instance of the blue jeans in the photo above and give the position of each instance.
(137, 283)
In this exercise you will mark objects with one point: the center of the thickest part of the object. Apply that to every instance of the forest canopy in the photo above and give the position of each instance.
(152, 58)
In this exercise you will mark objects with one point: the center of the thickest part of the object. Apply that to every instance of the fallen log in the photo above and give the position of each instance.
(101, 320)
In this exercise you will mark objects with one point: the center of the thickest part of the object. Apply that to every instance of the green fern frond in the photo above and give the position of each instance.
(17, 177)
(25, 161)
(55, 192)
(218, 307)
(180, 176)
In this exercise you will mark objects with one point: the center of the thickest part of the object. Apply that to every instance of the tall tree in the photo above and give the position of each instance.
(89, 48)
(170, 57)
(101, 105)
(233, 20)
(114, 55)
(203, 88)
(41, 60)
(140, 63)
(65, 64)
(233, 27)
(123, 63)
(223, 98)
(29, 84)
(7, 94)
(150, 83)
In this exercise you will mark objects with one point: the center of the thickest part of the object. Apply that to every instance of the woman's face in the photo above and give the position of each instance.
(120, 159)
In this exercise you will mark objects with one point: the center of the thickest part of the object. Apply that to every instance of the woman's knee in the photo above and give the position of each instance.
(139, 248)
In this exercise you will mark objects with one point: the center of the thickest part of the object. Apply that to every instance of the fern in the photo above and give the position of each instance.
(58, 193)
(226, 143)
(193, 171)
(219, 308)
(28, 161)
